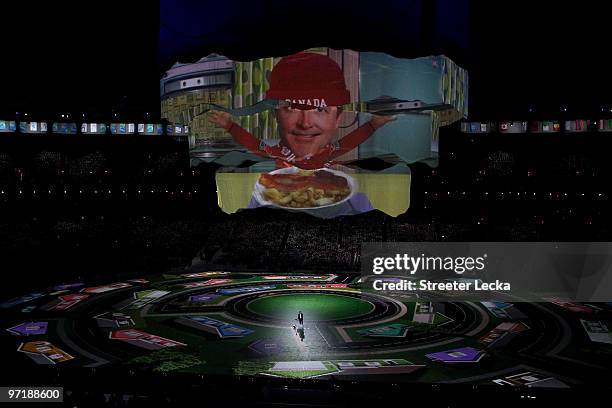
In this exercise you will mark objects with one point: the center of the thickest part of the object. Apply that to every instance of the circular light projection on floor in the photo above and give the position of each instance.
(314, 306)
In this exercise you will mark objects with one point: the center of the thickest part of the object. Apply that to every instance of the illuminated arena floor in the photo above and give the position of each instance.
(246, 324)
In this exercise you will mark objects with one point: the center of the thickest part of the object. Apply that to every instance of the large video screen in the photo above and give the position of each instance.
(330, 131)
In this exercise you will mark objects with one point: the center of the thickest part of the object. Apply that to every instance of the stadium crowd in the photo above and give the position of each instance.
(95, 210)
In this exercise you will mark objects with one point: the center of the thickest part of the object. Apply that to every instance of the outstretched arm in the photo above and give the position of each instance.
(220, 119)
(378, 121)
(361, 134)
(240, 135)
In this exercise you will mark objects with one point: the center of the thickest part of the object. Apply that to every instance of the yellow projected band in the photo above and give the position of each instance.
(389, 193)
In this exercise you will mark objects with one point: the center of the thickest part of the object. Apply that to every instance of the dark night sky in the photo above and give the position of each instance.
(111, 55)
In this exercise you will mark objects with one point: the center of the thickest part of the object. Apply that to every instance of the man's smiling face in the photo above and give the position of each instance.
(305, 132)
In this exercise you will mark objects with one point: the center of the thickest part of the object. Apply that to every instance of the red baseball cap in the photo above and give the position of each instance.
(307, 78)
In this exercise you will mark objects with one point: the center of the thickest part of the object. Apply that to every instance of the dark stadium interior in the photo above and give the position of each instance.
(152, 212)
(100, 208)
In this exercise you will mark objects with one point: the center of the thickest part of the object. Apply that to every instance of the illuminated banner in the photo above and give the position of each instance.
(544, 126)
(93, 128)
(512, 127)
(122, 128)
(577, 125)
(177, 130)
(64, 128)
(33, 127)
(604, 125)
(150, 129)
(477, 127)
(8, 126)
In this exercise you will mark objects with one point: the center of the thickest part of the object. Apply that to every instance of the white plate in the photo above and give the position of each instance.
(261, 199)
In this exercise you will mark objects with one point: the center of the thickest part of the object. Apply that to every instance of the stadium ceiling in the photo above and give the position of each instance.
(246, 29)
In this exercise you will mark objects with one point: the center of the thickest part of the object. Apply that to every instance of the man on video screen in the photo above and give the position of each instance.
(312, 90)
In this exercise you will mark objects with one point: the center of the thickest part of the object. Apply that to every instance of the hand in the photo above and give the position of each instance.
(380, 121)
(220, 119)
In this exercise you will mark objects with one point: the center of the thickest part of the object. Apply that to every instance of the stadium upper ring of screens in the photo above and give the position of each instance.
(71, 128)
(538, 126)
